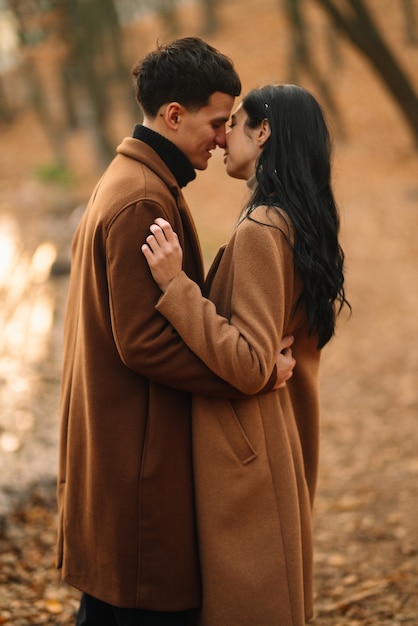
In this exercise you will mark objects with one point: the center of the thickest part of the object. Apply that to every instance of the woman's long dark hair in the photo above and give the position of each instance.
(294, 175)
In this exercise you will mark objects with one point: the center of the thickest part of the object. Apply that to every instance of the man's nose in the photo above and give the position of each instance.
(221, 138)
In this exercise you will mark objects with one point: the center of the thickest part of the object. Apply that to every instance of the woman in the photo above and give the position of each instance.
(281, 274)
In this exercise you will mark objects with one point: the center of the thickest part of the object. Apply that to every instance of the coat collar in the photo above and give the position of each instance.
(143, 153)
(174, 158)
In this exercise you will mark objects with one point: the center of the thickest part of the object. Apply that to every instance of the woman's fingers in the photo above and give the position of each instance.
(158, 234)
(166, 229)
(163, 253)
(163, 224)
(162, 243)
(161, 234)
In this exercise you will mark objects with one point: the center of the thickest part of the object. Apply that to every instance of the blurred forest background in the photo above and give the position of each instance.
(66, 101)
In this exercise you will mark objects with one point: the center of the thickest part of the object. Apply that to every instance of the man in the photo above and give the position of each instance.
(127, 535)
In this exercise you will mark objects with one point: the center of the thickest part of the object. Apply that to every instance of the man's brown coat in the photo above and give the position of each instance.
(127, 528)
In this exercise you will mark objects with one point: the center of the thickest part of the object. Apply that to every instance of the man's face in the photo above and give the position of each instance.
(201, 131)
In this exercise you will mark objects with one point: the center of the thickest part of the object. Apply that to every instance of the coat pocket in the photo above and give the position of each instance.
(234, 432)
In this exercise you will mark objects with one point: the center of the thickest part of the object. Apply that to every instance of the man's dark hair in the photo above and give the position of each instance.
(187, 71)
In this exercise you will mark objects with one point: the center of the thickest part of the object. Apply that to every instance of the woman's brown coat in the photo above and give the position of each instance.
(127, 527)
(256, 459)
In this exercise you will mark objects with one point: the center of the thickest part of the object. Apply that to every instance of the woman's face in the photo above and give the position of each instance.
(243, 146)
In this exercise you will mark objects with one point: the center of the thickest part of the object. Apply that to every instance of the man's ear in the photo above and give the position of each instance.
(173, 114)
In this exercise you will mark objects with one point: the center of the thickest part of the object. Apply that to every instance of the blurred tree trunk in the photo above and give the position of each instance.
(5, 112)
(95, 60)
(301, 58)
(32, 32)
(358, 25)
(167, 11)
(210, 18)
(410, 22)
(87, 64)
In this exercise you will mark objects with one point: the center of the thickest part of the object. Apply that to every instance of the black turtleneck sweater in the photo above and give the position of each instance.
(174, 158)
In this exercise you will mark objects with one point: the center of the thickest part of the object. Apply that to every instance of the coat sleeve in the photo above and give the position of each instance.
(242, 349)
(146, 342)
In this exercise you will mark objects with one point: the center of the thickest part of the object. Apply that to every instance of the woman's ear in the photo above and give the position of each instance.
(172, 115)
(264, 132)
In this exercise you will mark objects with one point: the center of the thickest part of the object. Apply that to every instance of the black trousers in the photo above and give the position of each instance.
(94, 612)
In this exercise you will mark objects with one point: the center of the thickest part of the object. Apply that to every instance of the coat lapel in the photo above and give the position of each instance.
(193, 244)
(212, 270)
